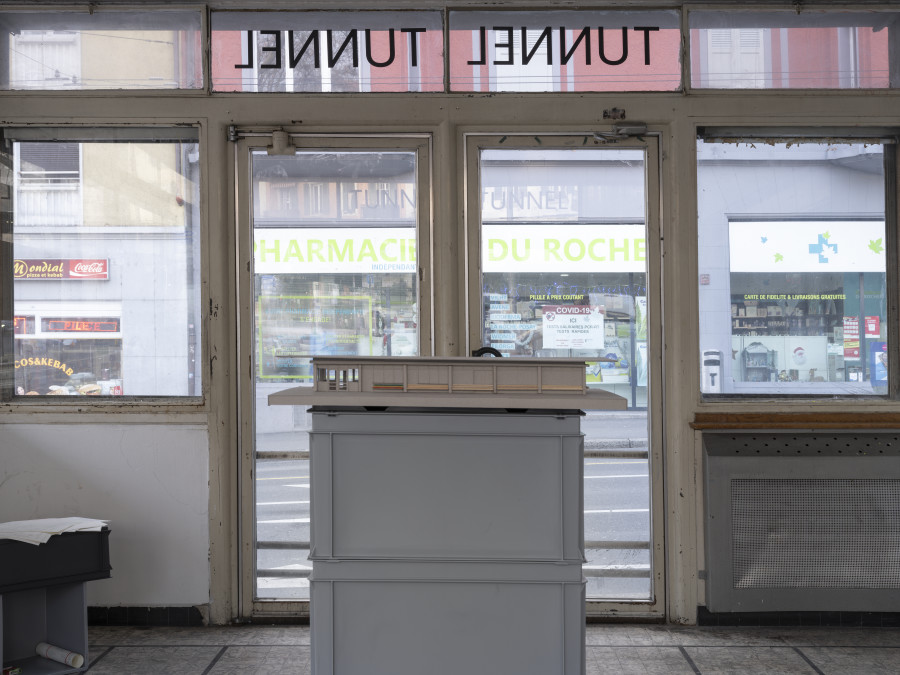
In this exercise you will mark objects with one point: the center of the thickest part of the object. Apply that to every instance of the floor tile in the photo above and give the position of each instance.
(161, 635)
(854, 661)
(748, 660)
(156, 660)
(209, 635)
(270, 635)
(843, 637)
(639, 649)
(703, 636)
(636, 661)
(263, 661)
(96, 652)
(618, 635)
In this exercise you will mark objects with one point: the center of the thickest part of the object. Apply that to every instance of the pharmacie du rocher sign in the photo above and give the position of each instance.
(70, 269)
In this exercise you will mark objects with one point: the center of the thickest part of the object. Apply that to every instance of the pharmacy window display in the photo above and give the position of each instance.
(563, 261)
(792, 285)
(600, 318)
(805, 322)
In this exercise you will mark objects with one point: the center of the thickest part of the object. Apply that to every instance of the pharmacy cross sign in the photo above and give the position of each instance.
(823, 248)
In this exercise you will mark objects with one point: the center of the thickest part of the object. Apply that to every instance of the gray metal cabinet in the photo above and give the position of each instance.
(446, 541)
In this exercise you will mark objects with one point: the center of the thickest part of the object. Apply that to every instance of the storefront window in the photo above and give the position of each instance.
(99, 48)
(792, 268)
(105, 266)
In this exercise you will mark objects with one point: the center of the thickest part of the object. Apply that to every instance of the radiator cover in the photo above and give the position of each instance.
(802, 522)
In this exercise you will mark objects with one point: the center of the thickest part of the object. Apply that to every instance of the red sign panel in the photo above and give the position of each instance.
(23, 325)
(50, 269)
(851, 338)
(61, 325)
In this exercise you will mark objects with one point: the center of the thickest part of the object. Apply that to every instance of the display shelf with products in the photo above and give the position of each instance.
(808, 325)
(758, 364)
(753, 318)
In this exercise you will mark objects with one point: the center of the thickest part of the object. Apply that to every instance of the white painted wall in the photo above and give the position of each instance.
(150, 481)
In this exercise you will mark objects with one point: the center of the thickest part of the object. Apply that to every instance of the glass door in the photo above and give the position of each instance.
(332, 242)
(561, 234)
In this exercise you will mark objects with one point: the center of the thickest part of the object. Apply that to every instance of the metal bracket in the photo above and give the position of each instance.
(622, 131)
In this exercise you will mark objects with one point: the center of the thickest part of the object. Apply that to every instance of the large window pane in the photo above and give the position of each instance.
(327, 51)
(106, 268)
(564, 261)
(335, 272)
(791, 50)
(101, 49)
(792, 268)
(564, 274)
(565, 51)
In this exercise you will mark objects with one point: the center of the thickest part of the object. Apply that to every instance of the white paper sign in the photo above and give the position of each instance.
(573, 327)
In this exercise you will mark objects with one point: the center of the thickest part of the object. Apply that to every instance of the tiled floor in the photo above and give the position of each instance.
(619, 649)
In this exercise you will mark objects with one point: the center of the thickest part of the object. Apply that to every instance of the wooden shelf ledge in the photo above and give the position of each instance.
(799, 420)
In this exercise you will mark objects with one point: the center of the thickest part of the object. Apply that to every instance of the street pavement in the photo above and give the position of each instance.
(602, 431)
(616, 510)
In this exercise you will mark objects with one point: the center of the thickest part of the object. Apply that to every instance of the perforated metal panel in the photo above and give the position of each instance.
(802, 521)
(801, 533)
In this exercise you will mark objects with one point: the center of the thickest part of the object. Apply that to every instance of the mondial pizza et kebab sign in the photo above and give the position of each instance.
(50, 269)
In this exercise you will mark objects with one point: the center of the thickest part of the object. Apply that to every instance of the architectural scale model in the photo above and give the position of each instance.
(449, 382)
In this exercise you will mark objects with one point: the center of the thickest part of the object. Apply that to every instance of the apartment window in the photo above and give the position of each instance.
(48, 184)
(101, 48)
(736, 58)
(45, 59)
(804, 49)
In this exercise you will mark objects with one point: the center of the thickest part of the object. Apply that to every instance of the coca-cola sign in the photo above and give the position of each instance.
(66, 269)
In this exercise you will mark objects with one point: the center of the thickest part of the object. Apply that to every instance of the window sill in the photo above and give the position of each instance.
(796, 420)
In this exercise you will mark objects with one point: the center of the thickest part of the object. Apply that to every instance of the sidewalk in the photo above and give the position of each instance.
(615, 434)
(606, 434)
